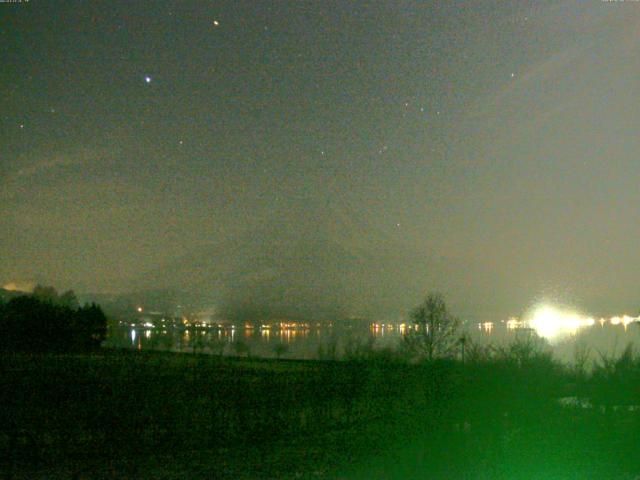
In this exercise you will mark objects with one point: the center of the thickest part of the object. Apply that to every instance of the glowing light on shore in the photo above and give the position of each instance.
(487, 327)
(626, 320)
(554, 324)
(25, 287)
(513, 324)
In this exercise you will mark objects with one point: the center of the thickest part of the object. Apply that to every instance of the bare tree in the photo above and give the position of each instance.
(241, 348)
(217, 346)
(280, 349)
(436, 330)
(199, 342)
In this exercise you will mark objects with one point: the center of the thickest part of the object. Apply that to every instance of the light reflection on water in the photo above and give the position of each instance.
(600, 338)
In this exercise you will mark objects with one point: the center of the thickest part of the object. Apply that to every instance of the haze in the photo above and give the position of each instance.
(341, 156)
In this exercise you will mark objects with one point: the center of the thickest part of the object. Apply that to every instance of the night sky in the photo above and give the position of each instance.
(487, 150)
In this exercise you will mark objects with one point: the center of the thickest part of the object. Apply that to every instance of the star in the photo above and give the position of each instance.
(21, 125)
(147, 79)
(513, 74)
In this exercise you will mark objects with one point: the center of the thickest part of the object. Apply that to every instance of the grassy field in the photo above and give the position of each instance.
(121, 414)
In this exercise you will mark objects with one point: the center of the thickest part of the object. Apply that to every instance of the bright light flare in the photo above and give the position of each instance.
(553, 324)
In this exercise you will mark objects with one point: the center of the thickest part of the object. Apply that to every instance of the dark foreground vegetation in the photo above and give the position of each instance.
(438, 408)
(503, 414)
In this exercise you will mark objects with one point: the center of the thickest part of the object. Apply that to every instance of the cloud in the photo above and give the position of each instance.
(591, 45)
(45, 164)
(21, 175)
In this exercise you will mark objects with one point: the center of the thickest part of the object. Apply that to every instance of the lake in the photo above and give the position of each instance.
(598, 338)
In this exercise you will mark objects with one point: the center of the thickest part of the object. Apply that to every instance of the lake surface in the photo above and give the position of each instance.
(314, 342)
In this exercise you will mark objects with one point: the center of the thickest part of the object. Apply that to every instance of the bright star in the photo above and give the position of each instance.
(147, 79)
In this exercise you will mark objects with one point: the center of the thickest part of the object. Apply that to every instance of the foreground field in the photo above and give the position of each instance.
(118, 414)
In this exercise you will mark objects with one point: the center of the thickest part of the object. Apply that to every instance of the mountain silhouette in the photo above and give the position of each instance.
(314, 263)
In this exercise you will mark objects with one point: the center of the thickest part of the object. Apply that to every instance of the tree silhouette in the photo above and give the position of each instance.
(198, 342)
(280, 349)
(241, 348)
(217, 346)
(435, 335)
(45, 294)
(462, 341)
(68, 299)
(89, 326)
(40, 323)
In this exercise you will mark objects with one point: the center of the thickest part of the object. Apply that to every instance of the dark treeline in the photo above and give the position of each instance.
(45, 321)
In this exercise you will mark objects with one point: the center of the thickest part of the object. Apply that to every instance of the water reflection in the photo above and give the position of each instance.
(604, 336)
